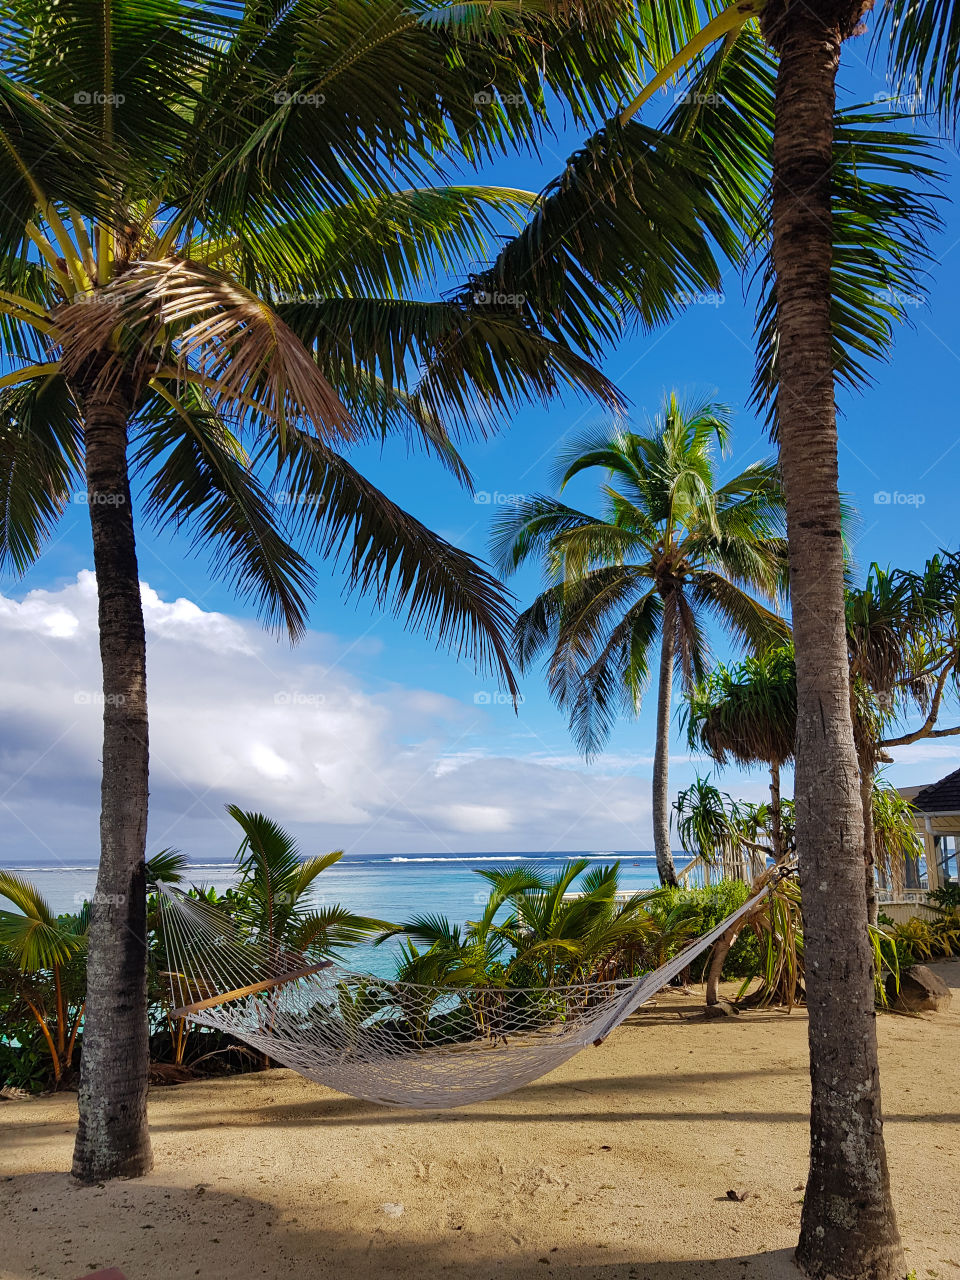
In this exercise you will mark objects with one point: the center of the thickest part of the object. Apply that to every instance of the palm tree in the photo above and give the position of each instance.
(568, 927)
(206, 293)
(43, 958)
(272, 896)
(834, 194)
(748, 713)
(673, 548)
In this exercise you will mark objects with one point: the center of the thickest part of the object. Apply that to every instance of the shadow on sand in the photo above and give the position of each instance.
(153, 1231)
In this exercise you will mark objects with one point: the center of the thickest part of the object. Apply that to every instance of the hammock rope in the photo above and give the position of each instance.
(396, 1043)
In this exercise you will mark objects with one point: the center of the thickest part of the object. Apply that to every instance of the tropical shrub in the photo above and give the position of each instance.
(946, 898)
(43, 982)
(709, 906)
(555, 930)
(917, 940)
(270, 905)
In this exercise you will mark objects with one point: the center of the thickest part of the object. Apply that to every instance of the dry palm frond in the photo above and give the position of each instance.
(215, 330)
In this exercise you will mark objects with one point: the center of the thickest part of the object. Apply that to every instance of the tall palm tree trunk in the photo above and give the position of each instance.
(661, 756)
(848, 1228)
(776, 814)
(113, 1138)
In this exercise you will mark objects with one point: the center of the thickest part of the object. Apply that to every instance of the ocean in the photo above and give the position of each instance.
(390, 887)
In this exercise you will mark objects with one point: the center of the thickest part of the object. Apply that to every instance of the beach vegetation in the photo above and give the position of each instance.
(42, 981)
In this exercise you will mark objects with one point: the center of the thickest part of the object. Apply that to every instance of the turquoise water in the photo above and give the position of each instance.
(387, 886)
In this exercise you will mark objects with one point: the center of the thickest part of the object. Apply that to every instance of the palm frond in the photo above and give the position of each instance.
(394, 558)
(469, 362)
(883, 217)
(233, 340)
(199, 478)
(41, 465)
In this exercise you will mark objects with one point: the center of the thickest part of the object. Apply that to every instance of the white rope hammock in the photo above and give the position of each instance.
(396, 1043)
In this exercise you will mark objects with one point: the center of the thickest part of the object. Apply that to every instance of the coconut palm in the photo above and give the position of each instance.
(834, 196)
(673, 549)
(210, 288)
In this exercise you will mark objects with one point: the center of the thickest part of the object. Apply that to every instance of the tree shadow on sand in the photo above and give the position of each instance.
(151, 1229)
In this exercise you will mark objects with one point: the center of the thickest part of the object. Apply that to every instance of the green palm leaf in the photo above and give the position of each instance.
(40, 465)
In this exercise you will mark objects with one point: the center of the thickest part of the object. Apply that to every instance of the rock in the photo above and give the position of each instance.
(921, 991)
(737, 1195)
(722, 1009)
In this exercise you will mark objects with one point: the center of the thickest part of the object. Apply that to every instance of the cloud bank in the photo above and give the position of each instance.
(237, 717)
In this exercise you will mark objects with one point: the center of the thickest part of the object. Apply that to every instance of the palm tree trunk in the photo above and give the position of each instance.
(661, 784)
(112, 1138)
(776, 823)
(869, 843)
(848, 1229)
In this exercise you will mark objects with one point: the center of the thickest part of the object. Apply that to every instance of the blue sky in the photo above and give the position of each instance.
(384, 747)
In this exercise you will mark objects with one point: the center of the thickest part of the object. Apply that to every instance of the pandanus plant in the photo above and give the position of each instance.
(748, 713)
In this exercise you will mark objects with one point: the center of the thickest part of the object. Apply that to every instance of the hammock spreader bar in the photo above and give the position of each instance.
(185, 1010)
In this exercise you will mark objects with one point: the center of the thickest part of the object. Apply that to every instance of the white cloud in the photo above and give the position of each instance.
(945, 754)
(236, 716)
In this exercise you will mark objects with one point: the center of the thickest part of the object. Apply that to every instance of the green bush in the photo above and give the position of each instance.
(709, 906)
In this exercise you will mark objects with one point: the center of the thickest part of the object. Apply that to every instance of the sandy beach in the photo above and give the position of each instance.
(617, 1166)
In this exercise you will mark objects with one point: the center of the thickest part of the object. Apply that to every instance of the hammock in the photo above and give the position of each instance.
(396, 1043)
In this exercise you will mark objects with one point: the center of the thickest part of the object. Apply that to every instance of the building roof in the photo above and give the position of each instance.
(940, 797)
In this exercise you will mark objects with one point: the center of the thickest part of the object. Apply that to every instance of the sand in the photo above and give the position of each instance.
(617, 1166)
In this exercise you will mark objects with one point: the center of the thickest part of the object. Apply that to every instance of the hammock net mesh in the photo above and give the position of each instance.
(391, 1042)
